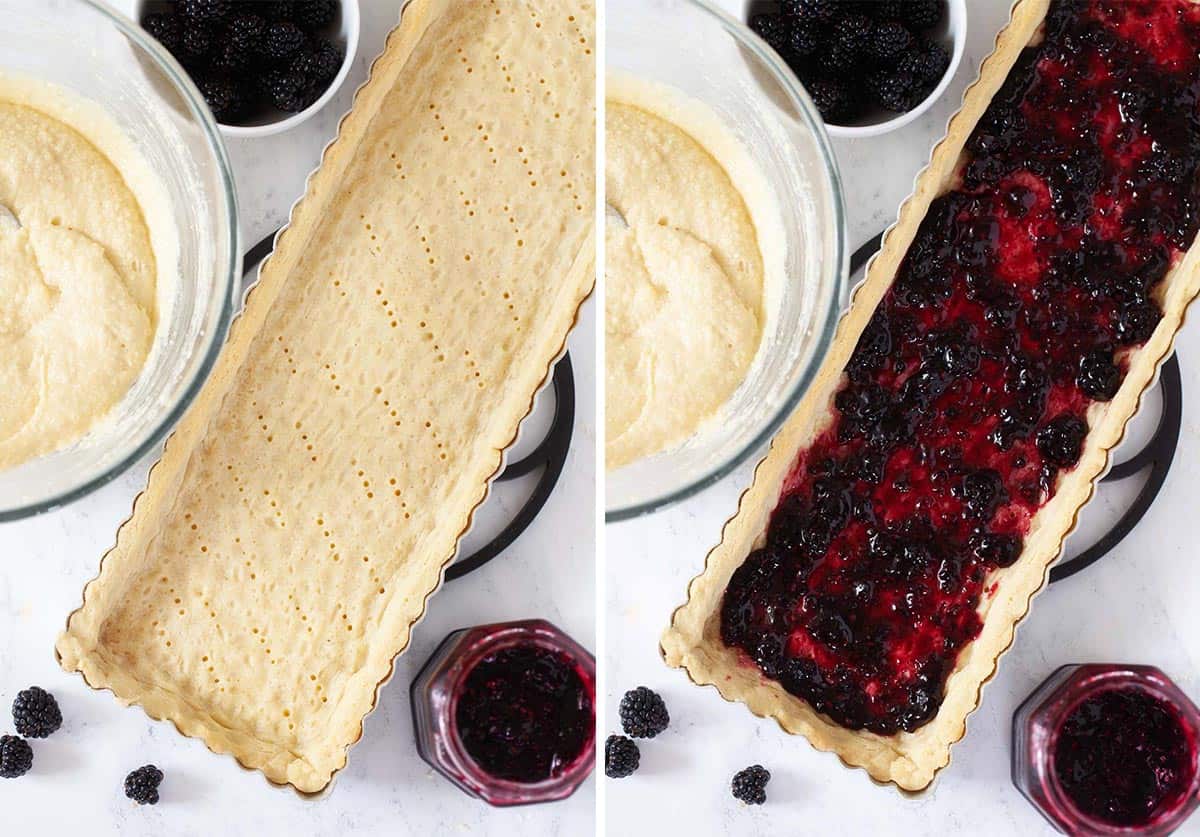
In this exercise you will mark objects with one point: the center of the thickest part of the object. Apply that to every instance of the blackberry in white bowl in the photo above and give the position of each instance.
(868, 66)
(264, 66)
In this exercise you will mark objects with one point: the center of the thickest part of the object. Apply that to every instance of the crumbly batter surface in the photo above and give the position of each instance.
(77, 275)
(684, 280)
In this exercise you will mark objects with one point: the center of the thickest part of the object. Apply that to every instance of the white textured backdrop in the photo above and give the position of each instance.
(76, 782)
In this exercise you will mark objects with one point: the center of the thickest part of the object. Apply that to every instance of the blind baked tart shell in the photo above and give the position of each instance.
(910, 761)
(305, 507)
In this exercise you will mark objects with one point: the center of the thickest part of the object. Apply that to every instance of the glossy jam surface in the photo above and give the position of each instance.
(1123, 756)
(524, 713)
(967, 393)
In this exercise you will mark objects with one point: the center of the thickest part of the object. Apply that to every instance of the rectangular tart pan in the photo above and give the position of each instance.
(299, 519)
(911, 761)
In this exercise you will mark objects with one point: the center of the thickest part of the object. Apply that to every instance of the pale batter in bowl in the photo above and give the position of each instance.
(78, 273)
(685, 302)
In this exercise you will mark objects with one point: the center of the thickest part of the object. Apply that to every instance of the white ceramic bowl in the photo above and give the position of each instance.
(951, 34)
(115, 64)
(708, 56)
(274, 121)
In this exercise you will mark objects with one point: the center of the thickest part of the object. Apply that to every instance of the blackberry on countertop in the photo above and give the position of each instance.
(643, 713)
(750, 785)
(142, 785)
(36, 713)
(16, 757)
(621, 757)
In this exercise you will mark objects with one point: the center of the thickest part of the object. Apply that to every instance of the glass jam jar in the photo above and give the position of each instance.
(507, 712)
(1108, 749)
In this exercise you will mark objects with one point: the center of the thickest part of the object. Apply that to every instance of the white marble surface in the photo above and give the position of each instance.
(1138, 605)
(386, 789)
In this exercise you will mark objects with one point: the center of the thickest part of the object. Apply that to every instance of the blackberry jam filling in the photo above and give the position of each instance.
(524, 713)
(1123, 756)
(967, 394)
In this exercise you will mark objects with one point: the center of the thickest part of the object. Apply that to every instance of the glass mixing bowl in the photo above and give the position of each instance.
(708, 56)
(94, 52)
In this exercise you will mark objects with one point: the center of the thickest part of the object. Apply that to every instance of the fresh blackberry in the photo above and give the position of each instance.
(804, 38)
(278, 9)
(891, 91)
(928, 61)
(142, 785)
(643, 713)
(891, 10)
(210, 12)
(282, 40)
(888, 41)
(315, 14)
(836, 59)
(621, 757)
(832, 99)
(280, 83)
(224, 97)
(36, 713)
(232, 58)
(818, 11)
(290, 92)
(326, 59)
(244, 36)
(922, 14)
(164, 27)
(750, 785)
(303, 65)
(16, 757)
(852, 32)
(195, 43)
(773, 29)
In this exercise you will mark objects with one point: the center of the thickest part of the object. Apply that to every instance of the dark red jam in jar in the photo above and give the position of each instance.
(1108, 749)
(507, 712)
(525, 713)
(1011, 315)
